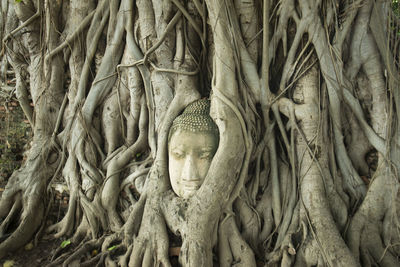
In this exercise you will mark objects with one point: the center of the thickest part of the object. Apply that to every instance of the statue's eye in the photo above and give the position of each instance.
(178, 154)
(205, 155)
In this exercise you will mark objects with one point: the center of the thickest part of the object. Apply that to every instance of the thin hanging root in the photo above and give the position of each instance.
(72, 36)
(169, 27)
(25, 23)
(190, 19)
(265, 97)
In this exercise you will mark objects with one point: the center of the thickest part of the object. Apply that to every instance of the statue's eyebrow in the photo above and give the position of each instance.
(207, 149)
(178, 147)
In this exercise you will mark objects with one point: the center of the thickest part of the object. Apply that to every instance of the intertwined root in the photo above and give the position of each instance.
(137, 77)
(28, 211)
(373, 231)
(127, 246)
(23, 200)
(22, 204)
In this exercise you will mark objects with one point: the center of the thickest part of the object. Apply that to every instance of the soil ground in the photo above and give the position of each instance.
(39, 255)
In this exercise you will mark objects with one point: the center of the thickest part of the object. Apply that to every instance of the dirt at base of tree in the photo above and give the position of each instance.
(39, 255)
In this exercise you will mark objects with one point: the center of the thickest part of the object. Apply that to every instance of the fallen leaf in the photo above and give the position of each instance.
(65, 243)
(8, 263)
(29, 246)
(111, 248)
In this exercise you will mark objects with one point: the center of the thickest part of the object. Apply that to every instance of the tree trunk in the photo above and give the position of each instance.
(305, 95)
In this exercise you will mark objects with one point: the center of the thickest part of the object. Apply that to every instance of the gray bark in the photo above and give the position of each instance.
(301, 92)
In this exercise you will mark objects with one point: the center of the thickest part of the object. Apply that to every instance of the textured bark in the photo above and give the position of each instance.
(303, 93)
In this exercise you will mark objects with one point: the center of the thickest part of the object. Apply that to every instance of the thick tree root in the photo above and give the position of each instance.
(292, 190)
(30, 221)
(373, 229)
(233, 250)
(23, 198)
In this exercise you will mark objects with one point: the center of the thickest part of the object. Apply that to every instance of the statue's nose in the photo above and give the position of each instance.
(189, 172)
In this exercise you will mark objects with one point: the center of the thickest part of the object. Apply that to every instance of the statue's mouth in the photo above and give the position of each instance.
(191, 186)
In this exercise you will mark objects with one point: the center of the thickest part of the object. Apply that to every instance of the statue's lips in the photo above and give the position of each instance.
(191, 185)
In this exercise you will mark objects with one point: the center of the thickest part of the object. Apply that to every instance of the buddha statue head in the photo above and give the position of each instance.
(192, 142)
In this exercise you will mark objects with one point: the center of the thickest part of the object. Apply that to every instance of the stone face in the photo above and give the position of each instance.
(193, 141)
(190, 155)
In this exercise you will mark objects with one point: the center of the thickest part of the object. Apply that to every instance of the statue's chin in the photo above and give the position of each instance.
(186, 190)
(187, 193)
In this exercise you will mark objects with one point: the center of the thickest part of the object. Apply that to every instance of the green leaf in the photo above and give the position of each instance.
(65, 243)
(111, 248)
(18, 1)
(138, 155)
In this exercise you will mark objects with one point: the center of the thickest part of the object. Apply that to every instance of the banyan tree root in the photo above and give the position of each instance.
(232, 248)
(377, 216)
(22, 199)
(315, 202)
(282, 190)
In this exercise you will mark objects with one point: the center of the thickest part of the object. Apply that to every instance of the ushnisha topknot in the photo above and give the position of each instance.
(195, 118)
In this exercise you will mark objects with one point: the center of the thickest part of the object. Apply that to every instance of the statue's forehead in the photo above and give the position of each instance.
(189, 138)
(189, 142)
